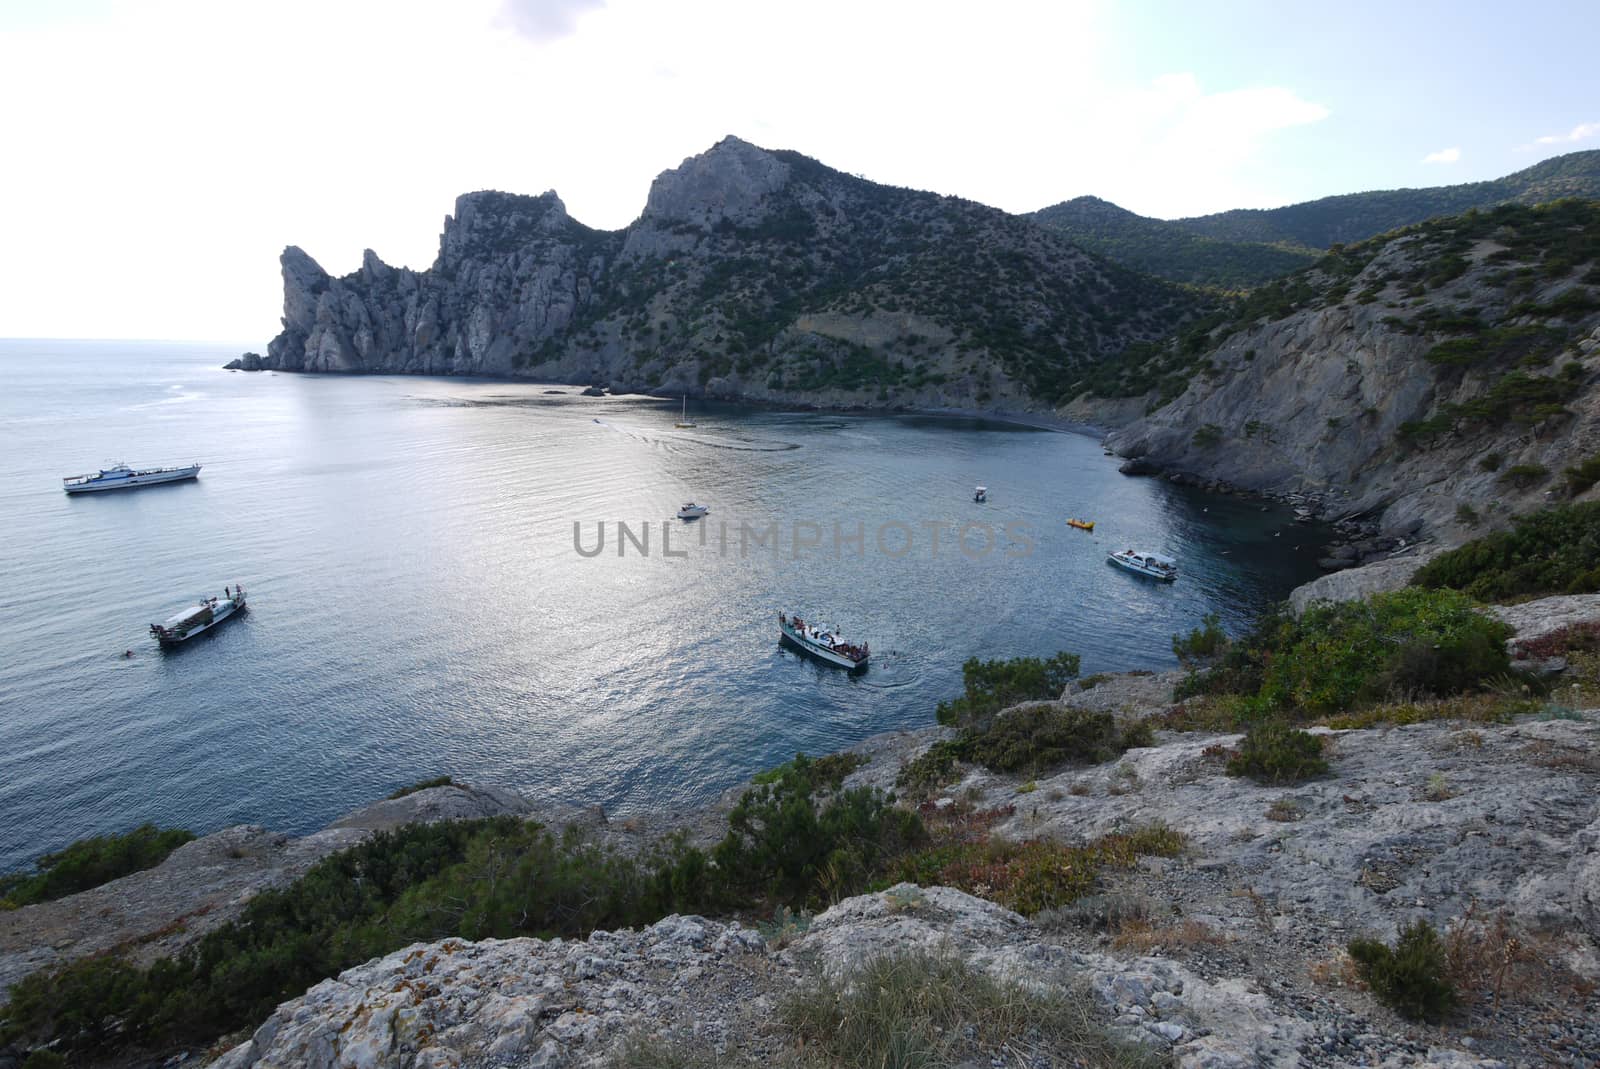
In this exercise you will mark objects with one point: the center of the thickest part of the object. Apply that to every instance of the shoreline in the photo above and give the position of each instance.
(1033, 420)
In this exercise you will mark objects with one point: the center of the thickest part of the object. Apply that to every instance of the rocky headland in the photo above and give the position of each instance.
(751, 274)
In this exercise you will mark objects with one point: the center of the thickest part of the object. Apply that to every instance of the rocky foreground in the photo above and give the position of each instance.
(1228, 955)
(1235, 957)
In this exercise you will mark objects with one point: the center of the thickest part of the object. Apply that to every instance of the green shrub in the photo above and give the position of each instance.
(1208, 436)
(1583, 475)
(1137, 735)
(825, 772)
(1491, 462)
(1274, 753)
(422, 785)
(994, 685)
(1409, 977)
(1553, 551)
(91, 862)
(1203, 643)
(1467, 515)
(44, 1059)
(1038, 737)
(476, 879)
(932, 769)
(1523, 476)
(1336, 657)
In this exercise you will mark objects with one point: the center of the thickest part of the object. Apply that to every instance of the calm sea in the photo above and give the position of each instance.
(419, 606)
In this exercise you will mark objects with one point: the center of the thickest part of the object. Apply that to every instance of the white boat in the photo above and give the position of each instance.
(182, 626)
(824, 645)
(691, 511)
(1154, 565)
(980, 494)
(683, 420)
(122, 477)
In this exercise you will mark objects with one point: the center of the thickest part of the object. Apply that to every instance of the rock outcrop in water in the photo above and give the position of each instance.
(750, 273)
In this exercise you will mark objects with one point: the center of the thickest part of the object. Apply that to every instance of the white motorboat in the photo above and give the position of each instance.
(182, 626)
(980, 494)
(1153, 565)
(824, 645)
(691, 511)
(122, 477)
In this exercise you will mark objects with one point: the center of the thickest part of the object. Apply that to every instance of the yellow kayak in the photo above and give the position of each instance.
(1082, 525)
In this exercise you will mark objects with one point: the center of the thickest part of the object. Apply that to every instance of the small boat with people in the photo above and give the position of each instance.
(691, 511)
(980, 494)
(1141, 562)
(823, 643)
(120, 476)
(1082, 525)
(182, 626)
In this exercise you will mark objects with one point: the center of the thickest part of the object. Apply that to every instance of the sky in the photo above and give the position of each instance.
(158, 155)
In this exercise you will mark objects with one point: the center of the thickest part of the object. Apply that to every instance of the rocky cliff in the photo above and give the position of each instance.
(750, 273)
(1443, 377)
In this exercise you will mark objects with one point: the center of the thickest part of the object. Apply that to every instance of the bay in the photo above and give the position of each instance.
(421, 601)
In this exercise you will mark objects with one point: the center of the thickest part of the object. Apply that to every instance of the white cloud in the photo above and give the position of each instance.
(1444, 155)
(1577, 133)
(543, 20)
(401, 105)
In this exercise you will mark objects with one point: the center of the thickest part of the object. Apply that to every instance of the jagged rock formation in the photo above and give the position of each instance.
(204, 884)
(750, 273)
(1443, 376)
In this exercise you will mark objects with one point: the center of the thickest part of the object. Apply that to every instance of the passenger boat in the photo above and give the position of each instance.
(1082, 525)
(691, 511)
(1154, 565)
(182, 626)
(122, 477)
(980, 494)
(823, 645)
(683, 420)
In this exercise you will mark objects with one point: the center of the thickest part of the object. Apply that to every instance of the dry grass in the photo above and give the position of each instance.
(1078, 789)
(1285, 810)
(1438, 788)
(1145, 937)
(1490, 707)
(932, 1012)
(1562, 758)
(1336, 970)
(1485, 953)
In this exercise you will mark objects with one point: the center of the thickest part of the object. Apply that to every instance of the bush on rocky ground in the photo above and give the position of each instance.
(475, 879)
(1272, 752)
(89, 863)
(1026, 876)
(1409, 977)
(1027, 741)
(1554, 551)
(1335, 658)
(991, 686)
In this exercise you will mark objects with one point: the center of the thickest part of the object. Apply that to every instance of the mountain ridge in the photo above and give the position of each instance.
(751, 273)
(1245, 247)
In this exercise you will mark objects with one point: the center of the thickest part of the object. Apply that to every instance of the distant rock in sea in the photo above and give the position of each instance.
(247, 362)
